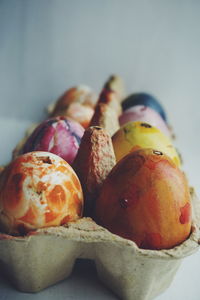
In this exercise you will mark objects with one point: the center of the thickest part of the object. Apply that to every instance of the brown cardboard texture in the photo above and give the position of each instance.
(47, 256)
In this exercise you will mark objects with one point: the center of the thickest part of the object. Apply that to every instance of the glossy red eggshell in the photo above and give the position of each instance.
(146, 199)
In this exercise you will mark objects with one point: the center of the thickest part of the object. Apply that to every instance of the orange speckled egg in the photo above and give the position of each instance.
(38, 189)
(80, 113)
(78, 103)
(146, 199)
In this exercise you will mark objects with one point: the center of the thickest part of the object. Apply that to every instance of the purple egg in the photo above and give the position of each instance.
(144, 114)
(58, 135)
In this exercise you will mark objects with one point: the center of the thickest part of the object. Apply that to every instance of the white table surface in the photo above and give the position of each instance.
(46, 46)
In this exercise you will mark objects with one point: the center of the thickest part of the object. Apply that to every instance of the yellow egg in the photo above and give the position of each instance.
(136, 135)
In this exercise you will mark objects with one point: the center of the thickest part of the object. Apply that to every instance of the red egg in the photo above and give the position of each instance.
(146, 199)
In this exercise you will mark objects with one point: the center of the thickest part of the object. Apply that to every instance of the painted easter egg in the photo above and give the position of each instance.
(58, 135)
(144, 114)
(146, 199)
(77, 103)
(80, 113)
(135, 135)
(38, 189)
(146, 100)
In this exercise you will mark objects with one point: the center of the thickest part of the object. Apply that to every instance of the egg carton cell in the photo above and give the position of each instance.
(47, 256)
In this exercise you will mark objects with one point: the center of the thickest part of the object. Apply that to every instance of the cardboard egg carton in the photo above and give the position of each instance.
(47, 256)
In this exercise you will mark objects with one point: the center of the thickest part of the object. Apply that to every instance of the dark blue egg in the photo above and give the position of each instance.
(146, 100)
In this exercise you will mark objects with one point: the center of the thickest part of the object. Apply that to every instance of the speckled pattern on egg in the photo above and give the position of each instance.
(38, 189)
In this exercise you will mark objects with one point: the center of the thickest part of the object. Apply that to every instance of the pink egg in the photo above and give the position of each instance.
(58, 135)
(144, 114)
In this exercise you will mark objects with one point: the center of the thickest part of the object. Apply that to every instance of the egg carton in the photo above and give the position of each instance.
(47, 256)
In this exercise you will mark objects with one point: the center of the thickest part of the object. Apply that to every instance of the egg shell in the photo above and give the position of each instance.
(146, 100)
(144, 114)
(79, 113)
(38, 189)
(77, 103)
(130, 272)
(58, 135)
(146, 198)
(135, 135)
(80, 94)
